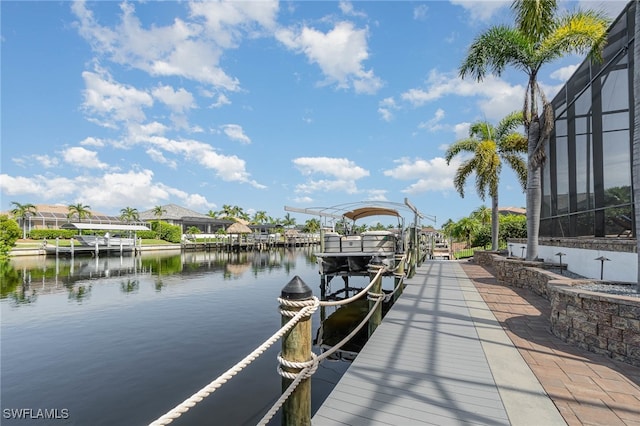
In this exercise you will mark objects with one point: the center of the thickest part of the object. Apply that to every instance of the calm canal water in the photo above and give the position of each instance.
(122, 340)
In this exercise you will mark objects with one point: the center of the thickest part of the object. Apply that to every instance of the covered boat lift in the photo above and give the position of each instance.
(95, 244)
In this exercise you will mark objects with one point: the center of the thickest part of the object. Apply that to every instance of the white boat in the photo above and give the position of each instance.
(351, 254)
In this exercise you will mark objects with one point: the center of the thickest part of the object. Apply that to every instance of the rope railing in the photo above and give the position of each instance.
(190, 402)
(307, 369)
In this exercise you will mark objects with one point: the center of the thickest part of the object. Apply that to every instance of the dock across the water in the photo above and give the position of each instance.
(439, 357)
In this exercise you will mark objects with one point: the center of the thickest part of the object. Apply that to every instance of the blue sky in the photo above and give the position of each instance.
(254, 104)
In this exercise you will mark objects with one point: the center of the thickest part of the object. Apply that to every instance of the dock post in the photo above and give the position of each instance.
(373, 294)
(296, 347)
(398, 274)
(413, 252)
(57, 246)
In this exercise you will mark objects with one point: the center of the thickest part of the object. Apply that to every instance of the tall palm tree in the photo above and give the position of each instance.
(80, 210)
(22, 212)
(636, 129)
(129, 214)
(538, 37)
(158, 211)
(490, 146)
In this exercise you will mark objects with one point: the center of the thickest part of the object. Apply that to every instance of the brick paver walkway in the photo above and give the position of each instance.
(587, 388)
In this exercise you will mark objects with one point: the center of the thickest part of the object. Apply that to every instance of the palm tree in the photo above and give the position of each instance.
(212, 214)
(465, 229)
(129, 214)
(483, 214)
(490, 146)
(636, 129)
(80, 210)
(289, 221)
(260, 217)
(312, 226)
(22, 212)
(539, 37)
(158, 211)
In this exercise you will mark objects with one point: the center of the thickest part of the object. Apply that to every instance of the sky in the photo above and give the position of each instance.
(256, 104)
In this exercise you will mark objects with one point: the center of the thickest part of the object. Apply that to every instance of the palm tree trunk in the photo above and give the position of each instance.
(534, 192)
(495, 222)
(636, 129)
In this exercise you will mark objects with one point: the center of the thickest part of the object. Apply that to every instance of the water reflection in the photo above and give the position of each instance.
(24, 278)
(121, 340)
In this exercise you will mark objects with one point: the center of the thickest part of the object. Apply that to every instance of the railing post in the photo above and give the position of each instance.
(296, 347)
(398, 274)
(374, 292)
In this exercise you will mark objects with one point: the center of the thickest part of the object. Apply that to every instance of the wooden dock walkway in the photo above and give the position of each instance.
(439, 357)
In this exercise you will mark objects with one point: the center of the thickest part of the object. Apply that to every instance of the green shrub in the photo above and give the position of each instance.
(52, 234)
(512, 226)
(482, 237)
(9, 234)
(146, 235)
(166, 231)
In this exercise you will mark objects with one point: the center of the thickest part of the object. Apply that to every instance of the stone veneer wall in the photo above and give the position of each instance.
(598, 322)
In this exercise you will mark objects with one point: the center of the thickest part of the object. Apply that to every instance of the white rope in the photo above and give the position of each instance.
(307, 308)
(311, 306)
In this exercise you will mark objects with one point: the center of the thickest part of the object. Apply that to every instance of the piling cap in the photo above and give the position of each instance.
(296, 289)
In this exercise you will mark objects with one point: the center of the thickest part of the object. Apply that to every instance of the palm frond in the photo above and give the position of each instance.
(533, 17)
(519, 166)
(509, 124)
(493, 50)
(581, 32)
(462, 145)
(462, 174)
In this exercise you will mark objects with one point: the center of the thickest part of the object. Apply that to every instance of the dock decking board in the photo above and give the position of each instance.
(425, 364)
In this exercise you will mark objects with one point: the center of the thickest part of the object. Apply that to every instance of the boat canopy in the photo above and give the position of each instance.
(104, 227)
(370, 211)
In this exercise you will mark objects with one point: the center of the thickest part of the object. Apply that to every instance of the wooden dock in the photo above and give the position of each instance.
(439, 357)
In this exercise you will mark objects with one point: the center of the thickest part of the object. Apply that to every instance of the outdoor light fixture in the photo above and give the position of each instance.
(560, 254)
(602, 259)
(522, 254)
(510, 249)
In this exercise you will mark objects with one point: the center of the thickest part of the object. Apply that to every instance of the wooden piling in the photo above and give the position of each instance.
(376, 288)
(398, 275)
(296, 347)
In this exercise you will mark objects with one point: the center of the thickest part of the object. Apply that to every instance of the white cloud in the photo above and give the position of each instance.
(340, 168)
(91, 141)
(377, 194)
(112, 101)
(386, 108)
(346, 7)
(482, 10)
(497, 98)
(190, 50)
(221, 101)
(177, 100)
(158, 157)
(83, 158)
(429, 175)
(46, 161)
(563, 74)
(227, 22)
(461, 130)
(339, 53)
(343, 174)
(420, 12)
(433, 124)
(236, 133)
(102, 192)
